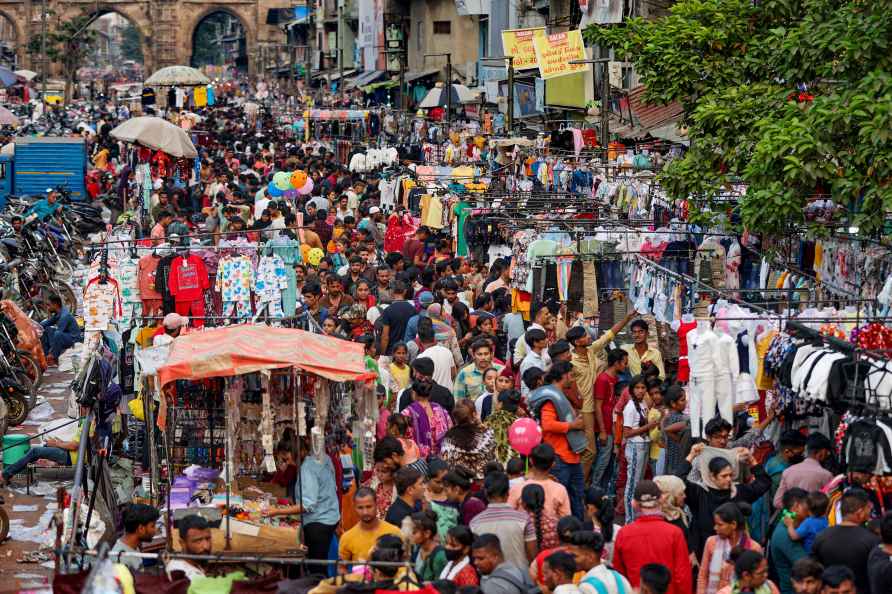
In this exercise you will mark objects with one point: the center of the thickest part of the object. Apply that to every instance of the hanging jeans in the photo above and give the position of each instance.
(636, 463)
(570, 475)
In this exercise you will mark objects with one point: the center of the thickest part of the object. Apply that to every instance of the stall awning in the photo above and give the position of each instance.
(235, 350)
(366, 78)
(333, 74)
(413, 76)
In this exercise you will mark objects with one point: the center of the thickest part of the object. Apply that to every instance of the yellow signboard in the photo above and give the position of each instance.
(518, 43)
(554, 53)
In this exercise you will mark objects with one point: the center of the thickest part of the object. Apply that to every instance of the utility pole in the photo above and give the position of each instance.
(340, 52)
(448, 86)
(311, 36)
(510, 111)
(43, 56)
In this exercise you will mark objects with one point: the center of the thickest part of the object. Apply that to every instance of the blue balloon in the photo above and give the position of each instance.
(272, 191)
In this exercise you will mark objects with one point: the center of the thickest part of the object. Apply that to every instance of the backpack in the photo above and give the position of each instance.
(600, 587)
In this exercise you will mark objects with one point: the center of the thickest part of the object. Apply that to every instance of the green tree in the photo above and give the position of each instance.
(206, 44)
(793, 97)
(68, 43)
(131, 44)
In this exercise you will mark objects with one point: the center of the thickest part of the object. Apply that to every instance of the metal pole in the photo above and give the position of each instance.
(510, 95)
(311, 36)
(402, 83)
(448, 93)
(605, 100)
(339, 49)
(43, 56)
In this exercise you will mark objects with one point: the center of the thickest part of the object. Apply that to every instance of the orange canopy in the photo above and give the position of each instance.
(235, 350)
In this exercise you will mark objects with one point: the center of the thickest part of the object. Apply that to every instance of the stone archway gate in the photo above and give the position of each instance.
(166, 27)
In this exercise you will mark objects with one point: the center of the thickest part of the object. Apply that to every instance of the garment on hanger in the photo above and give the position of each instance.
(270, 282)
(187, 283)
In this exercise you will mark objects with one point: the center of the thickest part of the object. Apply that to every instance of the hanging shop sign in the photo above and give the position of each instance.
(555, 52)
(518, 43)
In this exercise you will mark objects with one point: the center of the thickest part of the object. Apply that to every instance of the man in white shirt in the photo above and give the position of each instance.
(537, 340)
(195, 536)
(260, 204)
(540, 314)
(444, 362)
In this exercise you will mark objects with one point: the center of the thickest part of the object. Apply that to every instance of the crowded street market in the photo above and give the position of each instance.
(261, 335)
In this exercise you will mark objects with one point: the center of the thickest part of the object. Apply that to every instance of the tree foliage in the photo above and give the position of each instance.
(131, 44)
(793, 97)
(68, 42)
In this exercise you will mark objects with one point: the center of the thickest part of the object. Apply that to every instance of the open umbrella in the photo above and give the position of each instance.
(7, 77)
(26, 74)
(7, 118)
(156, 133)
(177, 75)
(436, 97)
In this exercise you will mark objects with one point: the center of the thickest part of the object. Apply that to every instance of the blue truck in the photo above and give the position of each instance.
(36, 164)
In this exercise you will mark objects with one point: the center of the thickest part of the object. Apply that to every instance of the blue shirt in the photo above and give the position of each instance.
(42, 208)
(318, 492)
(64, 323)
(809, 530)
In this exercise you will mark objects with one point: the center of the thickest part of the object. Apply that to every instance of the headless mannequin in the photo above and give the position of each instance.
(703, 358)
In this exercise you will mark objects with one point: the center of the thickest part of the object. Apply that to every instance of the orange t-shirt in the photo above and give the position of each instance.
(554, 433)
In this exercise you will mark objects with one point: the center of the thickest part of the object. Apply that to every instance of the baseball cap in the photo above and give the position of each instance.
(647, 494)
(425, 298)
(559, 347)
(374, 210)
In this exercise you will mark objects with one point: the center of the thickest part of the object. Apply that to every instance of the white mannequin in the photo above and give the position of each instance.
(728, 370)
(703, 357)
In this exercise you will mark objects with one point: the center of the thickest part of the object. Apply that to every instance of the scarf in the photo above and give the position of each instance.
(452, 569)
(720, 554)
(673, 487)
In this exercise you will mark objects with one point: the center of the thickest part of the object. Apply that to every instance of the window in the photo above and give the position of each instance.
(442, 27)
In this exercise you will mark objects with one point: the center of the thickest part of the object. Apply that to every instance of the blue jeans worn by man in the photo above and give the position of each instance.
(60, 332)
(57, 455)
(571, 476)
(602, 469)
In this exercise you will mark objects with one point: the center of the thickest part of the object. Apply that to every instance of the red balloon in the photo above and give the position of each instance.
(523, 435)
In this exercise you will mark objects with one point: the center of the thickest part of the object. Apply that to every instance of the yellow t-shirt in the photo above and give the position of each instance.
(356, 544)
(76, 439)
(401, 375)
(656, 436)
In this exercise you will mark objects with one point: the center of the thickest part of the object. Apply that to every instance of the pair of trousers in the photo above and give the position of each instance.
(709, 394)
(57, 455)
(317, 538)
(637, 459)
(240, 309)
(55, 343)
(193, 308)
(602, 471)
(570, 475)
(152, 307)
(591, 451)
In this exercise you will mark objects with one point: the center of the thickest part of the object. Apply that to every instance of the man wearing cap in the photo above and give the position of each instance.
(45, 207)
(651, 539)
(640, 352)
(370, 224)
(588, 361)
(425, 299)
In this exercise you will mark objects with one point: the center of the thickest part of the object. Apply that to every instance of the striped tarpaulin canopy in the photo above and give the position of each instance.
(235, 350)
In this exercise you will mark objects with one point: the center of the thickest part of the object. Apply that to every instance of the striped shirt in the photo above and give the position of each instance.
(513, 528)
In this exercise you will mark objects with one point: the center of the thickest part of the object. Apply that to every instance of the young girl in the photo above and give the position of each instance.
(398, 370)
(730, 533)
(655, 413)
(431, 557)
(532, 498)
(485, 403)
(362, 293)
(398, 427)
(635, 436)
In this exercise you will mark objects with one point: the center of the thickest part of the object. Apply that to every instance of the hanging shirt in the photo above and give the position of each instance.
(270, 279)
(102, 304)
(235, 279)
(148, 96)
(210, 93)
(201, 96)
(127, 273)
(146, 269)
(188, 278)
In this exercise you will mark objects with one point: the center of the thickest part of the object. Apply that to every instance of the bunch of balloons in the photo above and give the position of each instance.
(289, 184)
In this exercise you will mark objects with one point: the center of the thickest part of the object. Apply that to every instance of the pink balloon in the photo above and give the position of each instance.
(523, 435)
(307, 187)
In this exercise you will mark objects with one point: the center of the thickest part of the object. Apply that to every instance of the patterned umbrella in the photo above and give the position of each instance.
(172, 76)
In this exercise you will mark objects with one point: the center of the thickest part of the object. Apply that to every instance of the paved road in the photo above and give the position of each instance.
(30, 514)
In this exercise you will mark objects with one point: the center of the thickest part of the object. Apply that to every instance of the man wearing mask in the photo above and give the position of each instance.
(808, 474)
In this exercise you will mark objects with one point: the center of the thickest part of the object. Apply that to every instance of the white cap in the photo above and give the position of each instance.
(374, 210)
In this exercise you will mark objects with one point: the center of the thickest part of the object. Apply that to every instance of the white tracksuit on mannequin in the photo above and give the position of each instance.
(704, 359)
(729, 370)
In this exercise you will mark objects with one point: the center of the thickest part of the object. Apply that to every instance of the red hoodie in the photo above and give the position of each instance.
(651, 539)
